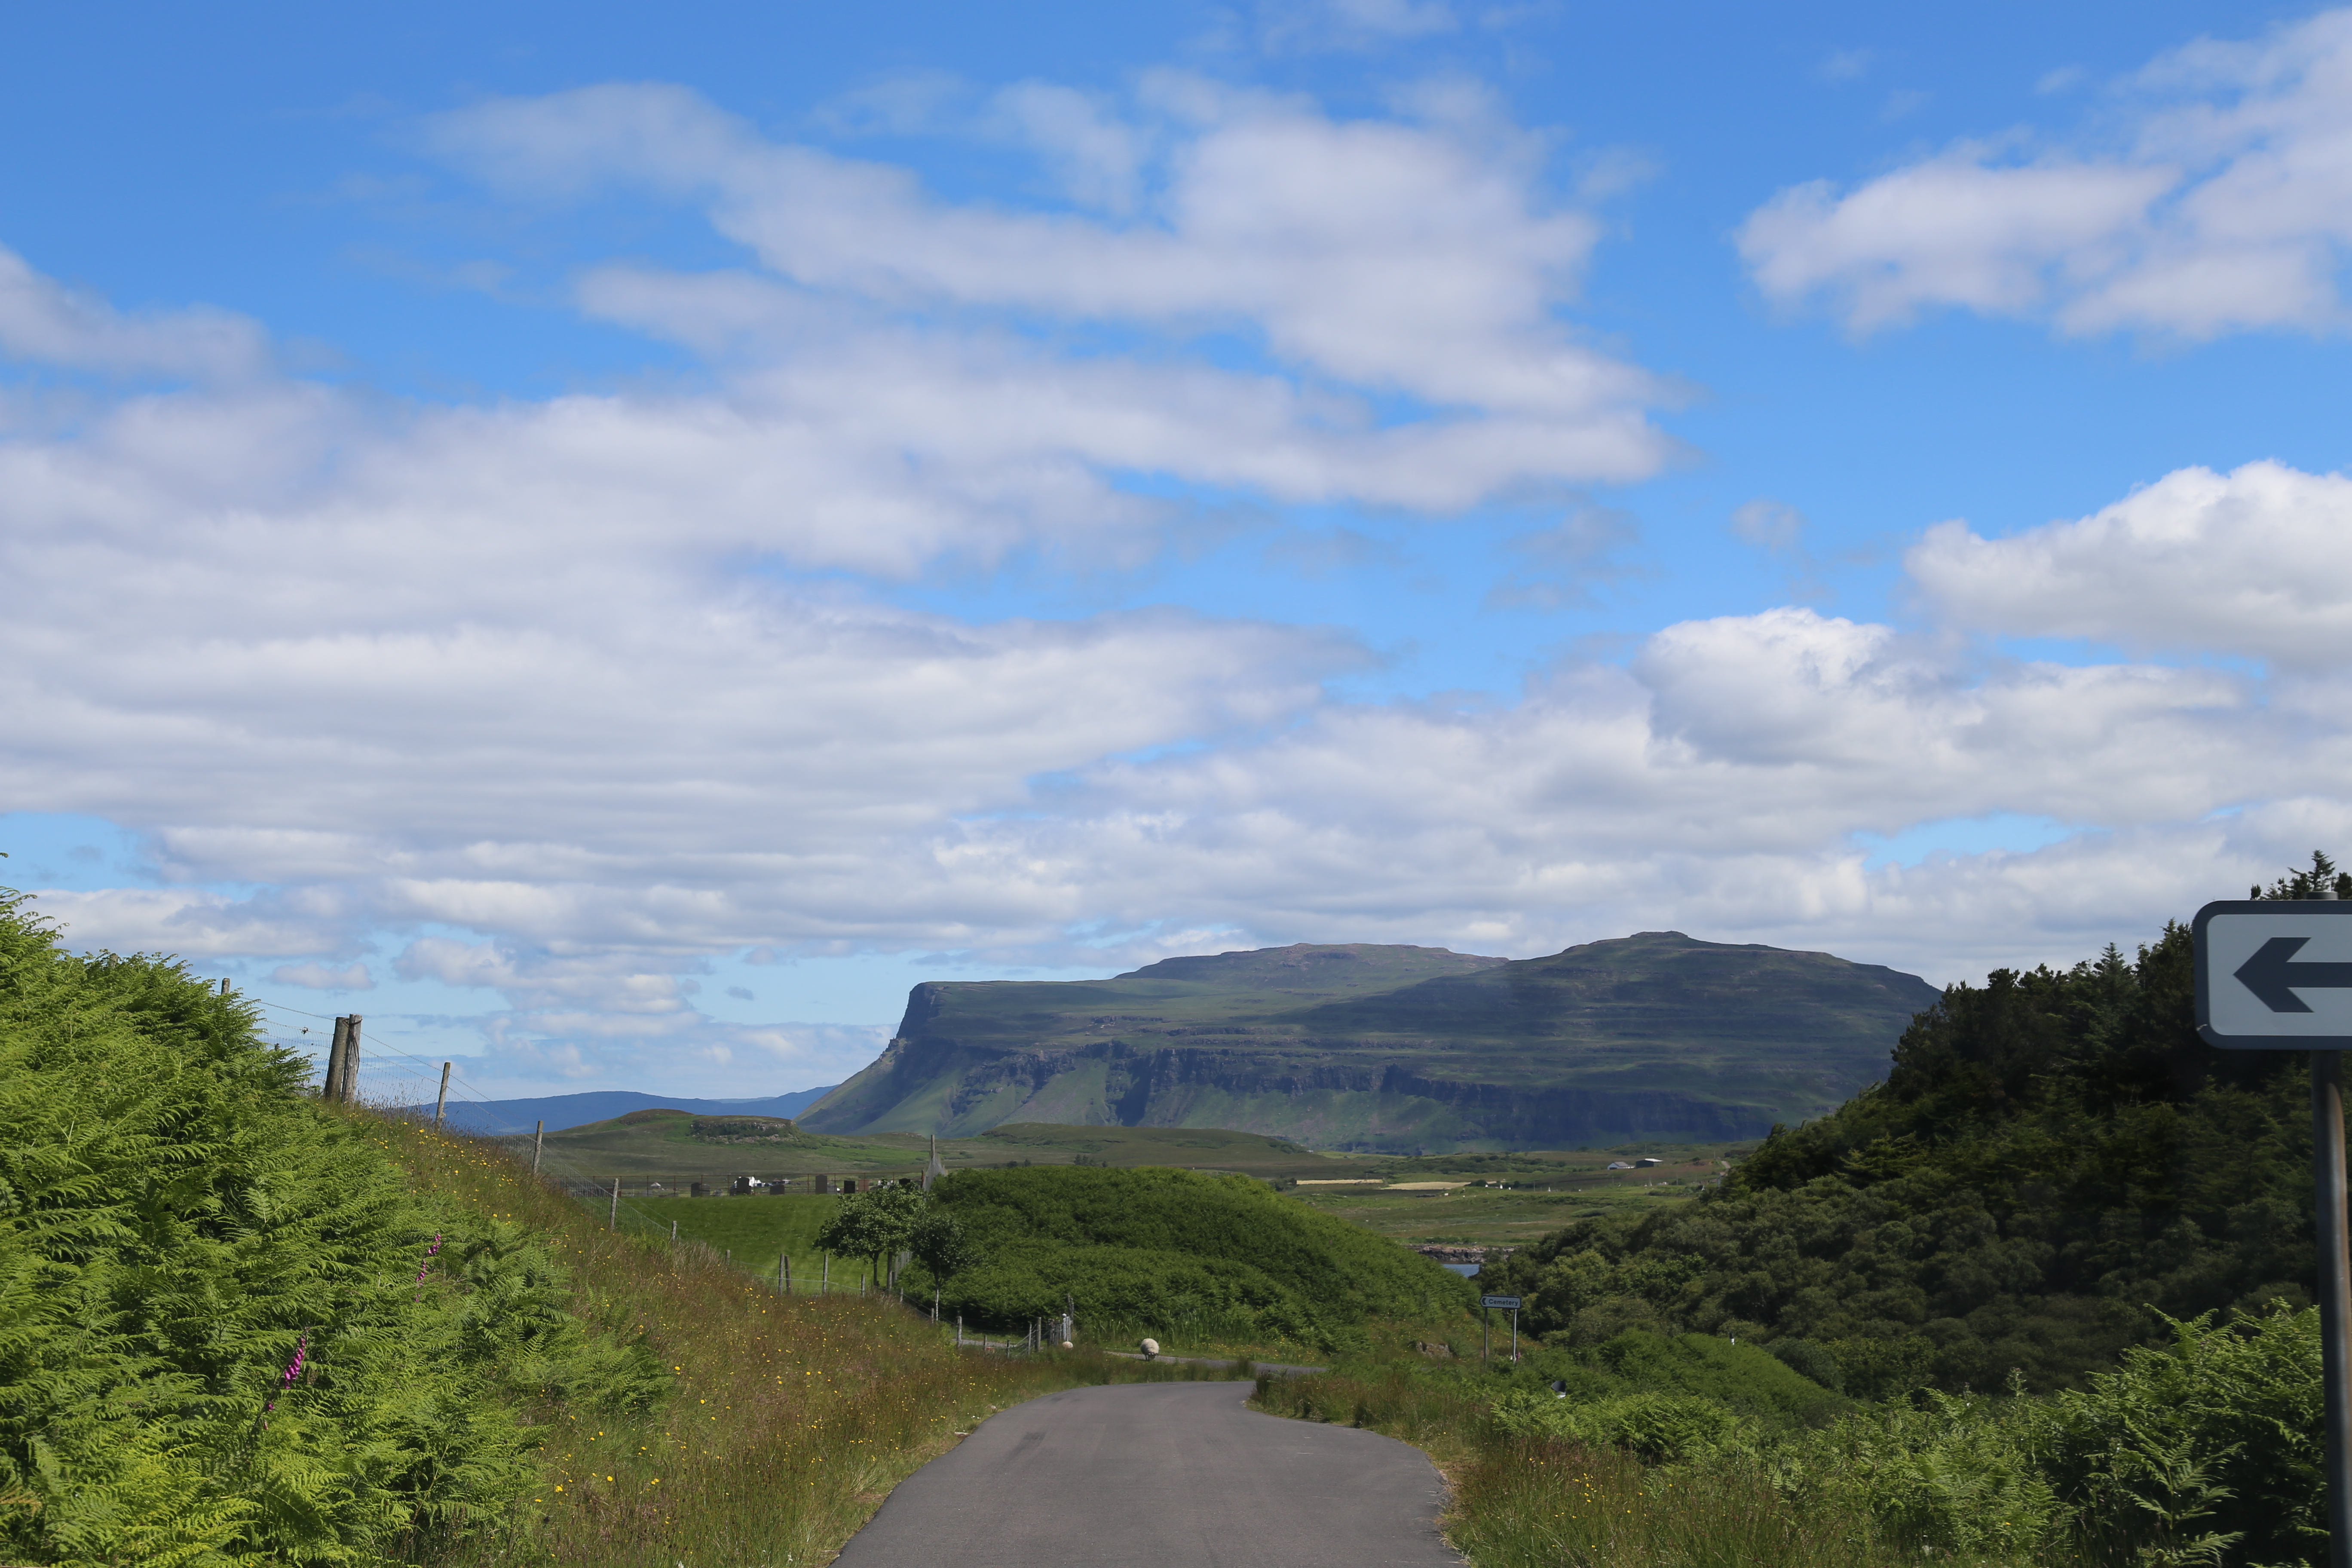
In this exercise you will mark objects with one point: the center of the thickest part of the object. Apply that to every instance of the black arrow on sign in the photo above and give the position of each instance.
(2268, 975)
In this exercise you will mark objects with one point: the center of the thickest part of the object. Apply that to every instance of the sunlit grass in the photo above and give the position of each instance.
(790, 1418)
(1519, 1502)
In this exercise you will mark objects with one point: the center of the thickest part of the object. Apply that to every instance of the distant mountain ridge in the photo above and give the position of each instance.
(567, 1110)
(1365, 1045)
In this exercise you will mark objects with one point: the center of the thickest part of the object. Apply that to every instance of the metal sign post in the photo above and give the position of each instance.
(2275, 974)
(1503, 1304)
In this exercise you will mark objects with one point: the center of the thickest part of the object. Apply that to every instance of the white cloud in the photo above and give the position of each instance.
(319, 977)
(1100, 156)
(2256, 563)
(193, 923)
(1372, 258)
(568, 701)
(46, 323)
(2225, 205)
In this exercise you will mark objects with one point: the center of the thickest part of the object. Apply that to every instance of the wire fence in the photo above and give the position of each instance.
(394, 1082)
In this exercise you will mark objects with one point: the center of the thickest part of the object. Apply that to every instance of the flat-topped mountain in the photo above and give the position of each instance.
(1369, 1047)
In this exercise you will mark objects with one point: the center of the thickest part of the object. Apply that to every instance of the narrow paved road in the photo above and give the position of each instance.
(1160, 1475)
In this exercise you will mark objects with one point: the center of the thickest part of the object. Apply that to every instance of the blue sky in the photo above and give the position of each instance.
(612, 546)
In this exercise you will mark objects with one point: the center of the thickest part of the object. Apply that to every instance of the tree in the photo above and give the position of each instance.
(878, 1223)
(941, 1244)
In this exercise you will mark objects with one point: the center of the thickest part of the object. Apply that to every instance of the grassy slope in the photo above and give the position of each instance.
(484, 1371)
(1364, 1047)
(790, 1418)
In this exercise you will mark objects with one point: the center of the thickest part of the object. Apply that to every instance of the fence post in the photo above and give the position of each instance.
(538, 1139)
(352, 1062)
(330, 1087)
(788, 1273)
(673, 1232)
(825, 1284)
(959, 1330)
(613, 1221)
(441, 1104)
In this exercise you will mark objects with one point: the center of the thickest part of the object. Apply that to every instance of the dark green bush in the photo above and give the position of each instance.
(1334, 1270)
(1117, 1290)
(180, 1226)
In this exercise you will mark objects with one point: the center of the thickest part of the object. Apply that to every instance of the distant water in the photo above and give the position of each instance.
(1465, 1269)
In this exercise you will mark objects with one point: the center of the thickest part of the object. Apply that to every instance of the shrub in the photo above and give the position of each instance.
(2213, 1442)
(1116, 1289)
(1655, 1428)
(1334, 1271)
(229, 1332)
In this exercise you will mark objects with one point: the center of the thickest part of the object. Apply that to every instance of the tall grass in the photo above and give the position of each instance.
(788, 1419)
(1548, 1502)
(1533, 1502)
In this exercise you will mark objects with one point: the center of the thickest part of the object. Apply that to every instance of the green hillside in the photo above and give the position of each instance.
(1211, 1257)
(1373, 1048)
(2056, 1163)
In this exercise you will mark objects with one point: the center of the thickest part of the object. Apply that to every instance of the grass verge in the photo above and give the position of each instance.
(1540, 1503)
(788, 1421)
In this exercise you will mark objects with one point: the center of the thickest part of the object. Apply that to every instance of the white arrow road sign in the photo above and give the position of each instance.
(2274, 975)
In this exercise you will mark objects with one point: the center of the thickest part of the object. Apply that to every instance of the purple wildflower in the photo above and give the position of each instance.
(423, 1267)
(293, 1370)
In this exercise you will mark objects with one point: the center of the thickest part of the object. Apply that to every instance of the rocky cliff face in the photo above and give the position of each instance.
(1655, 1035)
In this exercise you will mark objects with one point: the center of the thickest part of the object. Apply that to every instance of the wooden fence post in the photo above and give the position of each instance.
(788, 1273)
(537, 1138)
(331, 1088)
(352, 1062)
(613, 1221)
(441, 1105)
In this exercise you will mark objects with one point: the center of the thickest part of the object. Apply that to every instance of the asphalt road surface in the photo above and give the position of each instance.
(1160, 1475)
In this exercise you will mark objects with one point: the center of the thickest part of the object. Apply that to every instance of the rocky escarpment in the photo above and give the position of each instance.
(1367, 1047)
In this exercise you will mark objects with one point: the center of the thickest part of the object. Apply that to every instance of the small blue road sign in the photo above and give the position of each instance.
(1501, 1303)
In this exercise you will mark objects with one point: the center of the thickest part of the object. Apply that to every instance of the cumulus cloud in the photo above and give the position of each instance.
(2256, 563)
(2223, 203)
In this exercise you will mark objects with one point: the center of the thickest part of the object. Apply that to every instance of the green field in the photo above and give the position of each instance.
(677, 1148)
(1515, 1198)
